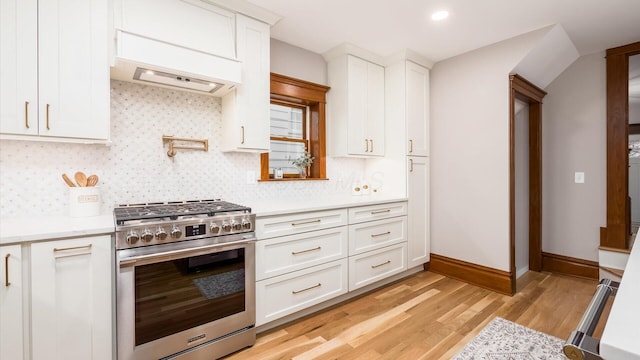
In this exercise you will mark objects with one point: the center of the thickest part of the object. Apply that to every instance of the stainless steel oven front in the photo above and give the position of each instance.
(186, 300)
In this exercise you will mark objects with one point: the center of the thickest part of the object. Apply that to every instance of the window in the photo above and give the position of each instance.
(297, 125)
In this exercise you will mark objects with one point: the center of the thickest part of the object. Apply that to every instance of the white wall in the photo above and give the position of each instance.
(574, 140)
(296, 62)
(470, 152)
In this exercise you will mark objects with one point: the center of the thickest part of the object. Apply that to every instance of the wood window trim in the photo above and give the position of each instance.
(295, 91)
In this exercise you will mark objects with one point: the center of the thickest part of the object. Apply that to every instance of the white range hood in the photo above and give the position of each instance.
(154, 62)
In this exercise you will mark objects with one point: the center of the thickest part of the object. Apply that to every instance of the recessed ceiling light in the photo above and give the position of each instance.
(439, 15)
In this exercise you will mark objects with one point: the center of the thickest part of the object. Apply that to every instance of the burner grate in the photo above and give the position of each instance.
(174, 210)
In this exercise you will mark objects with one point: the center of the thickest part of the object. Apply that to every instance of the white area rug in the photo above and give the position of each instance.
(505, 340)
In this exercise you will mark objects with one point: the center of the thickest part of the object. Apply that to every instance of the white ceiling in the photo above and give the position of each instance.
(385, 27)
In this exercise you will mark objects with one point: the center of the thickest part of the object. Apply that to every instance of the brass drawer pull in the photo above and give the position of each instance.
(410, 146)
(306, 222)
(380, 211)
(6, 270)
(384, 263)
(366, 145)
(242, 140)
(307, 289)
(48, 128)
(26, 114)
(371, 145)
(56, 250)
(383, 234)
(305, 251)
(410, 165)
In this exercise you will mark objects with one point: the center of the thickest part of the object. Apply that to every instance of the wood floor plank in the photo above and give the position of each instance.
(425, 316)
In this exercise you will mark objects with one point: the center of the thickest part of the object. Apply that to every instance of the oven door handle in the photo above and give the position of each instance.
(178, 254)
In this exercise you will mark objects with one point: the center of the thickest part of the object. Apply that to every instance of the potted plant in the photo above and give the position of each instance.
(302, 163)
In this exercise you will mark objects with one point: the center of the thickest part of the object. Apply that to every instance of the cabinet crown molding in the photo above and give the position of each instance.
(408, 55)
(350, 49)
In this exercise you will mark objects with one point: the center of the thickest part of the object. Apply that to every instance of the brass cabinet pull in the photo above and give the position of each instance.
(26, 114)
(366, 145)
(410, 146)
(371, 145)
(306, 222)
(410, 165)
(48, 128)
(380, 211)
(242, 140)
(6, 270)
(376, 235)
(305, 251)
(88, 247)
(384, 263)
(307, 289)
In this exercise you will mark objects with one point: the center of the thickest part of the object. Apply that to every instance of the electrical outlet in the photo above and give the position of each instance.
(579, 178)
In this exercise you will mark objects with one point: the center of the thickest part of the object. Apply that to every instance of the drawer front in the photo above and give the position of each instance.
(367, 268)
(377, 234)
(286, 294)
(273, 226)
(377, 212)
(285, 254)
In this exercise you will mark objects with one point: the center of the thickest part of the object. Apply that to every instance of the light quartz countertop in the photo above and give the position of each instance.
(621, 336)
(265, 208)
(37, 228)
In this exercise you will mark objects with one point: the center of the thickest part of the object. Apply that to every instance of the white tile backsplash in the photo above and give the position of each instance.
(136, 169)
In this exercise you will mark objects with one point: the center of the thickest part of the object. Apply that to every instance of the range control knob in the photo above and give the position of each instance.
(146, 235)
(226, 226)
(214, 228)
(132, 237)
(161, 234)
(246, 224)
(236, 225)
(176, 232)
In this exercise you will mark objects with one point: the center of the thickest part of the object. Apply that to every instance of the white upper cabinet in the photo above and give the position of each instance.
(55, 69)
(245, 110)
(407, 111)
(417, 105)
(355, 107)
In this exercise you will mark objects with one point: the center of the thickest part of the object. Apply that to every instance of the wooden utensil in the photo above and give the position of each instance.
(92, 180)
(81, 178)
(68, 180)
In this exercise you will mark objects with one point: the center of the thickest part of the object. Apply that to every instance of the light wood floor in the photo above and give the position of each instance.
(426, 316)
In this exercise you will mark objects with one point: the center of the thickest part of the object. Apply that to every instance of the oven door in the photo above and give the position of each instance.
(183, 298)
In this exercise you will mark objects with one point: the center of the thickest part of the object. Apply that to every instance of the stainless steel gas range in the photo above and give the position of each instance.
(185, 279)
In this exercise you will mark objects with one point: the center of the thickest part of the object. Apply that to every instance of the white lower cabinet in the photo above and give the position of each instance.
(11, 286)
(71, 285)
(306, 258)
(286, 294)
(375, 265)
(285, 254)
(418, 243)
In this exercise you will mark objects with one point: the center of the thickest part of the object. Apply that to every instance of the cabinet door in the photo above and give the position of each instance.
(374, 123)
(418, 213)
(11, 326)
(365, 94)
(71, 286)
(246, 110)
(19, 67)
(73, 69)
(417, 104)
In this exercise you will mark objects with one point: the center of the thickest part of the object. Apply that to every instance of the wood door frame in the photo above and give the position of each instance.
(616, 234)
(522, 89)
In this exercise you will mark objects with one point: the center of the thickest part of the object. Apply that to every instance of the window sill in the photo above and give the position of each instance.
(292, 179)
